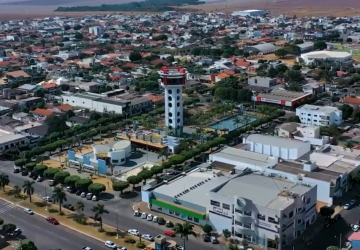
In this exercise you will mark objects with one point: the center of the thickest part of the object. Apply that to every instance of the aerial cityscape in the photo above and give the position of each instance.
(192, 125)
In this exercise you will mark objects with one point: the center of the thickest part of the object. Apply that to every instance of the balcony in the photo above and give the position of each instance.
(243, 230)
(326, 118)
(243, 218)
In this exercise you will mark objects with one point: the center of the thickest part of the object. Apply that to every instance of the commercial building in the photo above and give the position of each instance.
(115, 155)
(103, 104)
(281, 97)
(249, 13)
(336, 57)
(284, 148)
(278, 209)
(319, 115)
(9, 140)
(262, 49)
(96, 30)
(173, 81)
(301, 132)
(329, 168)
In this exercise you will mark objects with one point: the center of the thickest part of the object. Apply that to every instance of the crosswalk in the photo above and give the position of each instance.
(5, 206)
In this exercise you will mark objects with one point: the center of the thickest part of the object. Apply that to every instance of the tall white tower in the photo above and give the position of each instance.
(173, 81)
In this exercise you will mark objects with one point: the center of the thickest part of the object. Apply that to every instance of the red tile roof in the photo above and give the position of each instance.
(42, 112)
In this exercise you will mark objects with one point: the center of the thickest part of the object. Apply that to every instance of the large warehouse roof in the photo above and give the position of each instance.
(327, 54)
(262, 48)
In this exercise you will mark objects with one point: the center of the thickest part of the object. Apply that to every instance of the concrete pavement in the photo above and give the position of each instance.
(125, 212)
(44, 234)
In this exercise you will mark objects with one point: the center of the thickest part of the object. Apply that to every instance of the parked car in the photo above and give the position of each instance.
(52, 220)
(87, 248)
(39, 179)
(28, 211)
(137, 213)
(349, 205)
(24, 173)
(355, 227)
(16, 170)
(161, 221)
(149, 217)
(169, 233)
(89, 196)
(83, 195)
(78, 192)
(121, 248)
(143, 215)
(147, 237)
(155, 219)
(94, 198)
(206, 238)
(16, 232)
(69, 206)
(214, 240)
(169, 224)
(110, 244)
(47, 198)
(133, 232)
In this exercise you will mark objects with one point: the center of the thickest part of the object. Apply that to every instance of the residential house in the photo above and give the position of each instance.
(42, 113)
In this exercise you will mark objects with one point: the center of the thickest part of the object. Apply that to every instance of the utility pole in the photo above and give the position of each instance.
(117, 225)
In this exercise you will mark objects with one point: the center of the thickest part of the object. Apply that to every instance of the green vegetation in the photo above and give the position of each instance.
(148, 5)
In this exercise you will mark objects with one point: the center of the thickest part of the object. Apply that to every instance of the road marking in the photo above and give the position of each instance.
(6, 207)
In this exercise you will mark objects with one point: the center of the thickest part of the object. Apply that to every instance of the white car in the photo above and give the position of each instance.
(47, 198)
(355, 227)
(133, 232)
(150, 217)
(121, 248)
(87, 248)
(137, 213)
(110, 244)
(143, 215)
(83, 195)
(147, 237)
(28, 211)
(94, 198)
(155, 219)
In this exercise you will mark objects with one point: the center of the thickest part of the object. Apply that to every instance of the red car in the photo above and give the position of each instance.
(169, 233)
(52, 220)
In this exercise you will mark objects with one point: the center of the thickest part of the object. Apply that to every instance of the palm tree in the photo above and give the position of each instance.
(184, 230)
(28, 188)
(99, 210)
(163, 153)
(79, 206)
(59, 196)
(4, 180)
(16, 191)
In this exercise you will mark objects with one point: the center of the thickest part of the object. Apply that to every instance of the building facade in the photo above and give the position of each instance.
(319, 116)
(173, 80)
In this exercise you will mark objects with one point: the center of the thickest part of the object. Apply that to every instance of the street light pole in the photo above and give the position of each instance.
(117, 225)
(46, 202)
(340, 241)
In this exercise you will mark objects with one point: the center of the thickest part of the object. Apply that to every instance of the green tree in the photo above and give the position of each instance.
(120, 186)
(59, 196)
(71, 180)
(50, 173)
(156, 169)
(281, 53)
(79, 206)
(135, 56)
(184, 231)
(40, 169)
(83, 184)
(133, 180)
(96, 188)
(60, 176)
(163, 154)
(4, 181)
(78, 36)
(320, 45)
(28, 246)
(28, 188)
(99, 210)
(207, 228)
(20, 162)
(9, 228)
(145, 174)
(226, 233)
(326, 211)
(77, 27)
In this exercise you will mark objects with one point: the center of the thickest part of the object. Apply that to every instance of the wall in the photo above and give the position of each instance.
(117, 157)
(219, 222)
(312, 141)
(184, 204)
(91, 104)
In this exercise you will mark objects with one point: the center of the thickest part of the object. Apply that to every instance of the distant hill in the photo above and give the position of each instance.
(148, 5)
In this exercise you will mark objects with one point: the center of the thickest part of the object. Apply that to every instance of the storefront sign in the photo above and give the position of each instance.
(220, 211)
(271, 100)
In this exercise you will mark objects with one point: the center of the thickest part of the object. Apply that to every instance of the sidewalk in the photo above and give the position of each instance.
(144, 207)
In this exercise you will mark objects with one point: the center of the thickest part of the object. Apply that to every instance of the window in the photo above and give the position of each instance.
(298, 222)
(226, 206)
(272, 220)
(238, 211)
(261, 217)
(170, 104)
(215, 203)
(247, 237)
(178, 104)
(159, 208)
(247, 225)
(190, 218)
(291, 214)
(170, 114)
(170, 121)
(315, 120)
(238, 223)
(170, 98)
(196, 220)
(308, 200)
(238, 235)
(115, 161)
(171, 212)
(177, 213)
(247, 213)
(170, 91)
(178, 113)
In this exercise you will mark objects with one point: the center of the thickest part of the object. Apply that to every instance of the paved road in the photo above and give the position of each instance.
(45, 235)
(125, 213)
